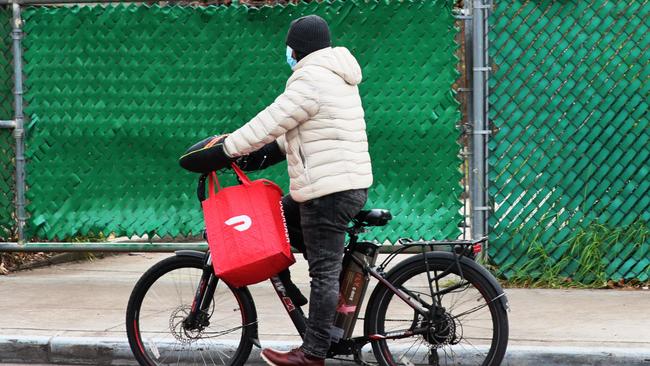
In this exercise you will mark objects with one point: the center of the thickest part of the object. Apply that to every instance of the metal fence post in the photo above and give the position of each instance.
(469, 117)
(478, 167)
(19, 132)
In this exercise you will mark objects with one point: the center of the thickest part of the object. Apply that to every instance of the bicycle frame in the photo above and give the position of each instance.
(350, 346)
(295, 313)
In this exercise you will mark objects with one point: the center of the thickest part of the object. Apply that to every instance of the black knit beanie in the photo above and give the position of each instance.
(308, 34)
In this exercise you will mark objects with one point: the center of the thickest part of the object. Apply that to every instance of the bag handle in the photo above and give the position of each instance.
(242, 177)
(212, 179)
(271, 184)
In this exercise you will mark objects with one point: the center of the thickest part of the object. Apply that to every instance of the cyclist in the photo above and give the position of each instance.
(317, 124)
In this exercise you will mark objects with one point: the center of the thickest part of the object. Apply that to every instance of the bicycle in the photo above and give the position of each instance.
(434, 308)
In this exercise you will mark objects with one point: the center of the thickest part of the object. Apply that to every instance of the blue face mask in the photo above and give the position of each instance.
(290, 60)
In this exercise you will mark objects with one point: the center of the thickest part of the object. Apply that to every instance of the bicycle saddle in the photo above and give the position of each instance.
(374, 217)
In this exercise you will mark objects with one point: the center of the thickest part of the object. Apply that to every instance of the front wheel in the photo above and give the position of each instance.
(160, 304)
(467, 322)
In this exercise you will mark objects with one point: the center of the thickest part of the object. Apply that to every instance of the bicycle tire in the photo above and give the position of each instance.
(164, 341)
(450, 329)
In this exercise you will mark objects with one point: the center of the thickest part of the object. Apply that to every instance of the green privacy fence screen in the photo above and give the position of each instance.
(7, 142)
(116, 93)
(569, 173)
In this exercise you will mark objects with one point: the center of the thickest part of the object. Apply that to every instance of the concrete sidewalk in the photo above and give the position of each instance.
(74, 313)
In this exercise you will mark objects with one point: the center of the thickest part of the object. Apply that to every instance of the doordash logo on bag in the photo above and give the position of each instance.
(240, 223)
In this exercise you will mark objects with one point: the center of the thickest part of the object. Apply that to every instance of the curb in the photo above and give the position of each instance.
(116, 352)
(576, 356)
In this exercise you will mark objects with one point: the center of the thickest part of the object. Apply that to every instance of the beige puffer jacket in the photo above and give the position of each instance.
(319, 123)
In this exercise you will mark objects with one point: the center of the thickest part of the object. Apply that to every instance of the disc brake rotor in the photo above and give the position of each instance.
(176, 325)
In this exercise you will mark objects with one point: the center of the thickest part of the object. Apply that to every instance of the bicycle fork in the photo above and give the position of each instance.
(198, 317)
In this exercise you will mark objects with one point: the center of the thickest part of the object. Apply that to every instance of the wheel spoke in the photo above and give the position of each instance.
(163, 304)
(476, 308)
(459, 328)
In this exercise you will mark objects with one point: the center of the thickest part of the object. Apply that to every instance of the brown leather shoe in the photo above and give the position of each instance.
(294, 357)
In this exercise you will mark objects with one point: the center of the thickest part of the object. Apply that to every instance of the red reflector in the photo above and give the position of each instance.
(477, 248)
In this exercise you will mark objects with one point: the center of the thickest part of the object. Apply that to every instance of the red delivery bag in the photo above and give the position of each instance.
(246, 230)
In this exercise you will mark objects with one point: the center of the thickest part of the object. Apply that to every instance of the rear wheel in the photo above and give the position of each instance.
(467, 322)
(159, 305)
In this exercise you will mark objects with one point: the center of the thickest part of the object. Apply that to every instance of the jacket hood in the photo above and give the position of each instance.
(339, 60)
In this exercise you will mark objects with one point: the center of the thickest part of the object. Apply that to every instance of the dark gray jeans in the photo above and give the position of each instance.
(317, 228)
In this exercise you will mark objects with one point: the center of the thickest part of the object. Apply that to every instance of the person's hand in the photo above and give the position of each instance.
(206, 155)
(268, 155)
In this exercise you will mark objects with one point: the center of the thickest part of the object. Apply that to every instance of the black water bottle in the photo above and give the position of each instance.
(353, 288)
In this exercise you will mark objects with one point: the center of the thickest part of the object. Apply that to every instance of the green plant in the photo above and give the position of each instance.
(89, 238)
(580, 261)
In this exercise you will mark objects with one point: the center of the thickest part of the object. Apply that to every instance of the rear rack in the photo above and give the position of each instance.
(410, 242)
(467, 248)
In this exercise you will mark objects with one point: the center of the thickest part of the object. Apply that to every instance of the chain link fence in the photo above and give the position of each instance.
(569, 172)
(109, 105)
(7, 141)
